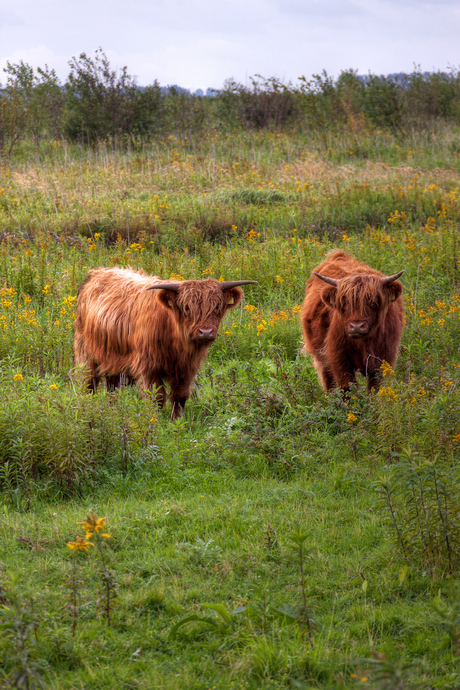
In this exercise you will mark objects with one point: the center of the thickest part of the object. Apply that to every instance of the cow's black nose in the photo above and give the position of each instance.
(206, 334)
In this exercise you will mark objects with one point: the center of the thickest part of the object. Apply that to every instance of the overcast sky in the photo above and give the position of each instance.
(200, 43)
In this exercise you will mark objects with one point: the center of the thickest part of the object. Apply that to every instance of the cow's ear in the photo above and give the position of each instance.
(328, 296)
(233, 297)
(167, 298)
(395, 289)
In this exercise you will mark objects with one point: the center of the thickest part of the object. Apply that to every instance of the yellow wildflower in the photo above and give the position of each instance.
(18, 377)
(93, 524)
(389, 393)
(251, 235)
(81, 544)
(53, 387)
(351, 418)
(387, 369)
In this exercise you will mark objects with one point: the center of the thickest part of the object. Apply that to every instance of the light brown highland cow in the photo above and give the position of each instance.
(352, 319)
(135, 327)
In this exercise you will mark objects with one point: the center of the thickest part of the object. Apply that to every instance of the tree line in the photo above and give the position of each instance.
(97, 103)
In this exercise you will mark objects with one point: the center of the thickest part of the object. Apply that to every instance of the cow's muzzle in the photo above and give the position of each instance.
(357, 329)
(206, 334)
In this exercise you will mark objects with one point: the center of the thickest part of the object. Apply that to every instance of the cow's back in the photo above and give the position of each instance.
(110, 306)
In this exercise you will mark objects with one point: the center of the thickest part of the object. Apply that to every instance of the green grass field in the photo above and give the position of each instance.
(273, 537)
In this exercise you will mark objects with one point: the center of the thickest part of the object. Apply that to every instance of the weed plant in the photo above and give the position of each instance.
(216, 584)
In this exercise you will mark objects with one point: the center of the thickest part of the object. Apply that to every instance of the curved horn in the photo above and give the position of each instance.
(174, 287)
(331, 281)
(236, 283)
(389, 279)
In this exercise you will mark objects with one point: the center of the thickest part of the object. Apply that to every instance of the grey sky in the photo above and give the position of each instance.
(200, 43)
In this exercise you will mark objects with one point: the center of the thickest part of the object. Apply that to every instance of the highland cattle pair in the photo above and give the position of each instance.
(140, 329)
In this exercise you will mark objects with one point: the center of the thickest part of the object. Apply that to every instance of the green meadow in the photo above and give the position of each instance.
(273, 537)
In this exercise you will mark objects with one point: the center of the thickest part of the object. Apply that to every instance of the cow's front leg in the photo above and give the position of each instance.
(116, 381)
(178, 408)
(373, 381)
(344, 375)
(92, 376)
(180, 393)
(325, 375)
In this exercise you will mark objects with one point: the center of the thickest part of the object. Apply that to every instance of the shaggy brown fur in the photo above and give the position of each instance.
(354, 326)
(124, 331)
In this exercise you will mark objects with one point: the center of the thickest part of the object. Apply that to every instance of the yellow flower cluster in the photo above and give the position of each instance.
(440, 312)
(81, 544)
(134, 247)
(283, 315)
(380, 236)
(446, 384)
(430, 225)
(159, 207)
(91, 244)
(387, 369)
(388, 393)
(252, 235)
(398, 218)
(94, 524)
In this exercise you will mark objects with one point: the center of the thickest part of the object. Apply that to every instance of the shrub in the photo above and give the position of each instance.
(420, 502)
(101, 105)
(266, 103)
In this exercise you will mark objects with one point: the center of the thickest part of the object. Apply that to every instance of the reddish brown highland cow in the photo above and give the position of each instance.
(352, 318)
(138, 328)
